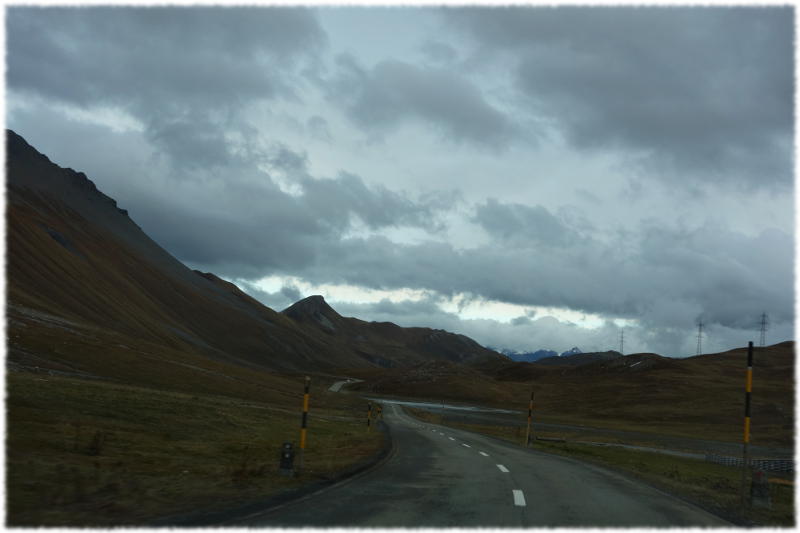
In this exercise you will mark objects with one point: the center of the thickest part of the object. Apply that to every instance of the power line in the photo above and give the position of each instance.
(764, 328)
(699, 337)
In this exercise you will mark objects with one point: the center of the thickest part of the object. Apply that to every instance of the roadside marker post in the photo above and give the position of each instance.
(748, 388)
(369, 415)
(287, 459)
(530, 415)
(304, 423)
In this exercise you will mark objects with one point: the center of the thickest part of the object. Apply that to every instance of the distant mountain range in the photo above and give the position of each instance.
(80, 269)
(530, 357)
(577, 359)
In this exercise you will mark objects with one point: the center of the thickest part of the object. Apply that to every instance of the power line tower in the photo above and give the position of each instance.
(622, 341)
(699, 337)
(764, 328)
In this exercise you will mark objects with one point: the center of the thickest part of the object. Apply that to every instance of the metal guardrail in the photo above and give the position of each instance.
(772, 465)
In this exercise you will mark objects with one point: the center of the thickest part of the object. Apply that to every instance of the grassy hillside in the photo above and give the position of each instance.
(701, 397)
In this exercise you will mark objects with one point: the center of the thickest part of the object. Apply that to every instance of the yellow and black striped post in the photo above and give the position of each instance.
(369, 415)
(530, 415)
(748, 388)
(304, 422)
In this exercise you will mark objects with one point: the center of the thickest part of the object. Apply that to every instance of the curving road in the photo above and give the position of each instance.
(442, 477)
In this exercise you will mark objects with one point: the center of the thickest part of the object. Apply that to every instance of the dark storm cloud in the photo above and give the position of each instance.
(704, 91)
(185, 73)
(390, 93)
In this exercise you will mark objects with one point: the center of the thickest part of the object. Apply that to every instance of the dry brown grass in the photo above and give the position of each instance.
(700, 397)
(94, 453)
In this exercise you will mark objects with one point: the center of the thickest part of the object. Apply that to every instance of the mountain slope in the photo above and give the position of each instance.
(384, 343)
(73, 254)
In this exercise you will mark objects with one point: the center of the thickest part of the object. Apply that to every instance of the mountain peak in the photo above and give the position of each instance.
(315, 308)
(314, 302)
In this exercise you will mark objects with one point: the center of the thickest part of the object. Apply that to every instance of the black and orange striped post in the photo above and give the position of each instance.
(748, 389)
(369, 415)
(530, 415)
(304, 422)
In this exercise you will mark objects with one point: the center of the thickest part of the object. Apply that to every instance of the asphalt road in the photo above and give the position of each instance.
(441, 477)
(695, 445)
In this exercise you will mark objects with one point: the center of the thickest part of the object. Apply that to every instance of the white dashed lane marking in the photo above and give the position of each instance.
(484, 454)
(451, 438)
(467, 445)
(502, 468)
(519, 498)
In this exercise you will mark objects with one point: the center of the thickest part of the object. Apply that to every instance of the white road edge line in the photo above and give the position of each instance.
(502, 468)
(484, 454)
(467, 445)
(519, 498)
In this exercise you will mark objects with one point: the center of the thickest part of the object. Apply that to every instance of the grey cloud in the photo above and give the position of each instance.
(521, 334)
(377, 207)
(239, 224)
(318, 128)
(258, 229)
(685, 95)
(665, 277)
(389, 308)
(277, 300)
(380, 99)
(697, 93)
(193, 143)
(439, 52)
(291, 292)
(186, 73)
(522, 224)
(289, 161)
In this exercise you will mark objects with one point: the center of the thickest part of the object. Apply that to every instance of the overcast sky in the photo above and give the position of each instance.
(535, 178)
